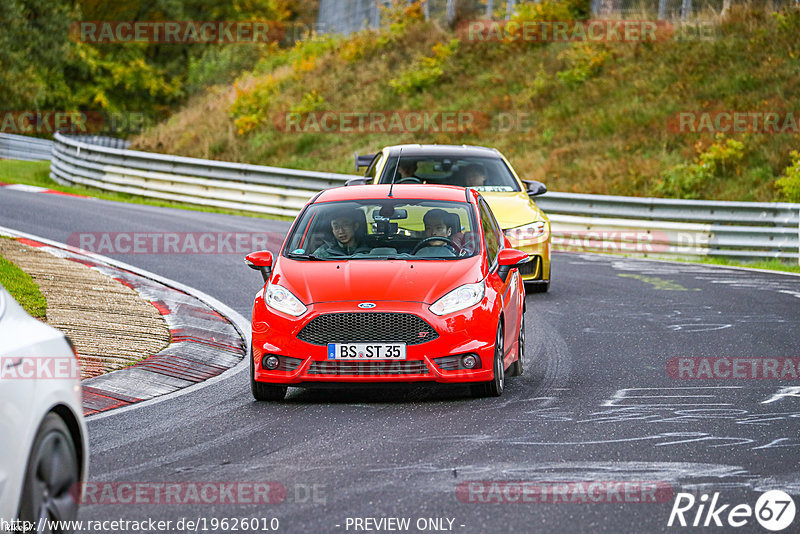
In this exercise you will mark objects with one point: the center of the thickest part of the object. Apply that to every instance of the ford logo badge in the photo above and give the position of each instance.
(366, 305)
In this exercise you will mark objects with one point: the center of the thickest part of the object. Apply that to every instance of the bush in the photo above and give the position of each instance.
(552, 10)
(312, 101)
(583, 62)
(427, 71)
(682, 181)
(690, 181)
(363, 44)
(221, 65)
(250, 108)
(722, 156)
(789, 182)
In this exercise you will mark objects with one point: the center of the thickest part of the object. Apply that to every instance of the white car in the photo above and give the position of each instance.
(43, 445)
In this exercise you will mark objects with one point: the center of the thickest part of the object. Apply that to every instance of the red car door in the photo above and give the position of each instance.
(508, 289)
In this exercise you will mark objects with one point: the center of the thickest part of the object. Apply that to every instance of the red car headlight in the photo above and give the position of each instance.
(281, 299)
(458, 299)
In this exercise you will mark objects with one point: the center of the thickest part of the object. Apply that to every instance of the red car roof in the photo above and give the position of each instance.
(400, 191)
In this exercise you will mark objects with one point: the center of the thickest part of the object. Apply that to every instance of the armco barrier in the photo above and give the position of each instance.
(681, 228)
(34, 149)
(638, 226)
(24, 148)
(255, 188)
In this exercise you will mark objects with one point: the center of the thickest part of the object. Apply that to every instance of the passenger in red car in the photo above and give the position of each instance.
(346, 228)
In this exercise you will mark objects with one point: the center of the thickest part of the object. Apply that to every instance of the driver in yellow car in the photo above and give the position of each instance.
(474, 175)
(408, 169)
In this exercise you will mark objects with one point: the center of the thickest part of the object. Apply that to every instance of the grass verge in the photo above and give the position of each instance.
(769, 265)
(22, 288)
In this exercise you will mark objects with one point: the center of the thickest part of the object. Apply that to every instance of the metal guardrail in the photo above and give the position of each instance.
(102, 140)
(638, 226)
(24, 148)
(256, 188)
(36, 149)
(674, 227)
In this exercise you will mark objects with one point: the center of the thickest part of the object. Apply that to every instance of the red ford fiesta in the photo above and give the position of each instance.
(387, 284)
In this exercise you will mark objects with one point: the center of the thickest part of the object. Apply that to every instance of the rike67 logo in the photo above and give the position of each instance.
(774, 510)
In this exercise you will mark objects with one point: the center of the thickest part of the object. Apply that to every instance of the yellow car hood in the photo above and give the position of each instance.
(513, 209)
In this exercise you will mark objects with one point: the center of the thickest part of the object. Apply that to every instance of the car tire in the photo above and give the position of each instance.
(494, 387)
(262, 391)
(516, 368)
(51, 486)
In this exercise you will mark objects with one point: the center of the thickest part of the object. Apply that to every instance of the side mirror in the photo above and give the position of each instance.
(363, 160)
(358, 181)
(507, 259)
(535, 188)
(260, 261)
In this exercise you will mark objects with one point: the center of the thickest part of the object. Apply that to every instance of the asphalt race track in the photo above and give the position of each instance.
(601, 400)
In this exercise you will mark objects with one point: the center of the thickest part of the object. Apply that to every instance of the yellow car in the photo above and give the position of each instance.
(485, 170)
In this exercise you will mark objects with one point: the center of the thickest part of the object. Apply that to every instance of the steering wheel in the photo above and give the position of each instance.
(430, 239)
(413, 179)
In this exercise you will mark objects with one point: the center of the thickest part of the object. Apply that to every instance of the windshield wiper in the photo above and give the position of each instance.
(298, 256)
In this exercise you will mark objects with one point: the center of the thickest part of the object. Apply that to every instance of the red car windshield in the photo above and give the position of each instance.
(385, 229)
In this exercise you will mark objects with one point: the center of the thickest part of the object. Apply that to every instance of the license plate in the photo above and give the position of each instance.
(366, 351)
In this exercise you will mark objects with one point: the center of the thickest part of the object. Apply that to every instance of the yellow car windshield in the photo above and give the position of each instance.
(480, 173)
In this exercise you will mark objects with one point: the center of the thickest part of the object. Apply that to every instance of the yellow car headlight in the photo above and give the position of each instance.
(522, 235)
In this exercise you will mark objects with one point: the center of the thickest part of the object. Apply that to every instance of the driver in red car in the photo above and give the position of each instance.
(346, 230)
(436, 225)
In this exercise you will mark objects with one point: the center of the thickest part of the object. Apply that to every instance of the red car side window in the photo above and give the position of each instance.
(490, 234)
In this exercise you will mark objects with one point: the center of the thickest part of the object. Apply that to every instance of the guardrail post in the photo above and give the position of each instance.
(450, 12)
(509, 9)
(662, 9)
(686, 9)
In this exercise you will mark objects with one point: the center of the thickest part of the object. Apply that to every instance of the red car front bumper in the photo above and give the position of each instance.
(471, 331)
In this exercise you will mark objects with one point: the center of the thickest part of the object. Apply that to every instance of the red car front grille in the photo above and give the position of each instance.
(367, 327)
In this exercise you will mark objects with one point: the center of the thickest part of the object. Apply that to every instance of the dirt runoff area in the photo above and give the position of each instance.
(110, 324)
